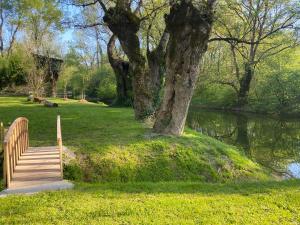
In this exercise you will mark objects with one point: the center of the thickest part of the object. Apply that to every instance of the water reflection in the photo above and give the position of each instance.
(274, 143)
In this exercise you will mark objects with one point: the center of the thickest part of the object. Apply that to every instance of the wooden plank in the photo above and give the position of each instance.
(37, 166)
(26, 166)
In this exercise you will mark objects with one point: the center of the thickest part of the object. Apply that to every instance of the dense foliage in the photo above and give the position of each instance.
(86, 73)
(275, 87)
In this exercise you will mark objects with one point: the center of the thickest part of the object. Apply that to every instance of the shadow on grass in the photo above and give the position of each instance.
(243, 188)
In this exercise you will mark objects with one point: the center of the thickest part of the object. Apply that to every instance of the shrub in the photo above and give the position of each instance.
(73, 171)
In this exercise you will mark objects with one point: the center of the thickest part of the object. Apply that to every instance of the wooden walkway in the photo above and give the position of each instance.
(30, 169)
(37, 166)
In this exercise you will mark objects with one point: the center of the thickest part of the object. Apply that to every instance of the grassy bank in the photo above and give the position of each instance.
(112, 146)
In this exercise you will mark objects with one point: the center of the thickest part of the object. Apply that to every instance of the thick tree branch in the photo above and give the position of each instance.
(83, 26)
(228, 83)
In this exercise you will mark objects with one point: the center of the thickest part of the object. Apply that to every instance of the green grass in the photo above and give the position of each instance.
(145, 179)
(159, 203)
(112, 146)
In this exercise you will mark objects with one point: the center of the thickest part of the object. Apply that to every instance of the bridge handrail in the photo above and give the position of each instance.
(16, 142)
(60, 145)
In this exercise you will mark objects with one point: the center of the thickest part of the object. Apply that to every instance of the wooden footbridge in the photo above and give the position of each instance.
(31, 169)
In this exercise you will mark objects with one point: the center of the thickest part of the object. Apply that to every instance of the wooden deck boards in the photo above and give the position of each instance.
(37, 166)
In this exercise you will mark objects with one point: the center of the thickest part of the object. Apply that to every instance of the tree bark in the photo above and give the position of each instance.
(125, 25)
(189, 28)
(157, 67)
(122, 72)
(1, 30)
(245, 83)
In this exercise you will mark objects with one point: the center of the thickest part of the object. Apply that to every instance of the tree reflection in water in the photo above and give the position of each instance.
(272, 142)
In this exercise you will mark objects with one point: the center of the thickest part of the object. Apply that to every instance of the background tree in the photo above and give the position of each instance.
(121, 69)
(125, 23)
(254, 31)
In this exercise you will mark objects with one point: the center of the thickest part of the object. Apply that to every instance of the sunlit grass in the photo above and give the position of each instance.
(113, 147)
(159, 203)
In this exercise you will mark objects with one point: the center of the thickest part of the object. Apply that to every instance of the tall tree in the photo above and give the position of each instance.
(125, 23)
(145, 86)
(121, 69)
(42, 22)
(189, 25)
(254, 31)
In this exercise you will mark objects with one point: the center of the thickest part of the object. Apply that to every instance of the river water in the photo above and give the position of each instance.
(272, 142)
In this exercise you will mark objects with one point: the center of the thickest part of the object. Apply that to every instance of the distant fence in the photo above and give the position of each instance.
(68, 94)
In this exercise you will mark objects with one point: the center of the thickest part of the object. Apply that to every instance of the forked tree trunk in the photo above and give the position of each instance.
(125, 25)
(122, 72)
(189, 28)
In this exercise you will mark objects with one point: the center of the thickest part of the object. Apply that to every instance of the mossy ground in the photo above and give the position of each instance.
(164, 175)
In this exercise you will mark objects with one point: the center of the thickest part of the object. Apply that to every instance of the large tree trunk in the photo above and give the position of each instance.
(53, 88)
(189, 28)
(157, 64)
(122, 72)
(245, 85)
(125, 25)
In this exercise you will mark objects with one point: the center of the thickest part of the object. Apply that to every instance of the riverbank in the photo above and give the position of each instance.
(120, 152)
(250, 110)
(112, 146)
(269, 140)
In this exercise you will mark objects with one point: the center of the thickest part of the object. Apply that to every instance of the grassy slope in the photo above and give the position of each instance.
(118, 150)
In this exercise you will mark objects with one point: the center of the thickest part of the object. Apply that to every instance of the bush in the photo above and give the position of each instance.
(107, 85)
(11, 71)
(72, 171)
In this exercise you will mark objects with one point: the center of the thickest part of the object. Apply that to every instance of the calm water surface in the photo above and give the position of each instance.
(272, 142)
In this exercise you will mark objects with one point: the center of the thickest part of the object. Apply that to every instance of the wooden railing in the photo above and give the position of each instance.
(2, 133)
(60, 145)
(1, 137)
(16, 141)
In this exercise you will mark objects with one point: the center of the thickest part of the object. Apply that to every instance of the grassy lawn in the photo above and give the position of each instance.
(112, 146)
(145, 179)
(159, 203)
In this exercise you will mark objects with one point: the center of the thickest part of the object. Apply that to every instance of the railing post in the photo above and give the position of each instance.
(2, 136)
(3, 151)
(6, 166)
(60, 145)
